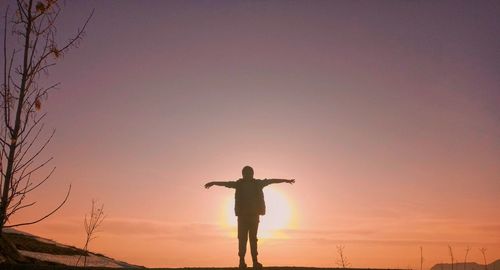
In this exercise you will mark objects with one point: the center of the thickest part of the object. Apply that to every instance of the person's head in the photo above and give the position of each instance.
(247, 172)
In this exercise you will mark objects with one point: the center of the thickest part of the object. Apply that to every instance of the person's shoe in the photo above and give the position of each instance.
(257, 265)
(243, 265)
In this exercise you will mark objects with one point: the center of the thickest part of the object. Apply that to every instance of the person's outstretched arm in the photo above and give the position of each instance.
(228, 184)
(277, 181)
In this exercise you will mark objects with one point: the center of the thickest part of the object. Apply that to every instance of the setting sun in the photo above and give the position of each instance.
(279, 214)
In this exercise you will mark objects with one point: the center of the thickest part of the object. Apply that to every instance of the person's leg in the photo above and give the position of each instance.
(242, 240)
(253, 228)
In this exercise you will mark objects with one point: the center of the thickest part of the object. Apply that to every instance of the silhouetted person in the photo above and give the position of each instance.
(249, 205)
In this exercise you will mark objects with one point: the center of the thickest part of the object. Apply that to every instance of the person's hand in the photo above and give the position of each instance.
(209, 184)
(291, 181)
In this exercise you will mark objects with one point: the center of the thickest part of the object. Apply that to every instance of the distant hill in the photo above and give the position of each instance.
(469, 266)
(45, 251)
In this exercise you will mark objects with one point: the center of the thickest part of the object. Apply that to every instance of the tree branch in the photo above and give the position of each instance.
(44, 217)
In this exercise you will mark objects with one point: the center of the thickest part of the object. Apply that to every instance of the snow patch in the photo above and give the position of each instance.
(92, 260)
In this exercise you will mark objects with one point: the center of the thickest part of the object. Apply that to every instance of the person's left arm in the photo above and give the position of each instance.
(277, 181)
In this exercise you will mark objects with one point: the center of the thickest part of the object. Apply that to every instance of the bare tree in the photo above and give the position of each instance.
(421, 257)
(451, 257)
(465, 259)
(91, 223)
(35, 49)
(342, 259)
(483, 251)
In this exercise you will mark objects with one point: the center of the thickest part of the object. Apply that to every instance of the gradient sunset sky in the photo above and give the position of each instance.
(387, 114)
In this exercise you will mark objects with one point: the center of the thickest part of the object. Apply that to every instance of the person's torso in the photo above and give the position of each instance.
(249, 198)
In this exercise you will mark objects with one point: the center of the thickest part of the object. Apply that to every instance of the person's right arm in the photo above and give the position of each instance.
(228, 184)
